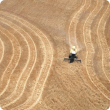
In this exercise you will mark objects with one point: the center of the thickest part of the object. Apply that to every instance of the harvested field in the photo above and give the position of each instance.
(35, 36)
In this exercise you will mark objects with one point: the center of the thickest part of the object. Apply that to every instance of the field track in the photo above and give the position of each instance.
(35, 36)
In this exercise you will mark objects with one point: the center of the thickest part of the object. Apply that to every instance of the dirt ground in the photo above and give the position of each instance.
(35, 36)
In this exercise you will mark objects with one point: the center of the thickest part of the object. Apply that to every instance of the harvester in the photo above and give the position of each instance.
(72, 56)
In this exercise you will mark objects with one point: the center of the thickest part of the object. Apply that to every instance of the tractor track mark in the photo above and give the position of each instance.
(40, 45)
(74, 21)
(93, 76)
(18, 70)
(96, 11)
(26, 41)
(33, 35)
(97, 48)
(2, 48)
(47, 39)
(6, 58)
(103, 43)
(15, 59)
(32, 59)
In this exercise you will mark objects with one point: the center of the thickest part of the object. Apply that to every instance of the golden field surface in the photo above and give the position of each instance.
(35, 36)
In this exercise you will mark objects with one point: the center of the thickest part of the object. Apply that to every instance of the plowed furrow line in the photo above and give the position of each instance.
(90, 52)
(97, 48)
(107, 33)
(34, 73)
(44, 53)
(79, 28)
(22, 62)
(11, 78)
(87, 5)
(1, 50)
(74, 26)
(13, 62)
(40, 83)
(8, 53)
(73, 23)
(103, 43)
(48, 62)
(79, 38)
(78, 6)
(29, 67)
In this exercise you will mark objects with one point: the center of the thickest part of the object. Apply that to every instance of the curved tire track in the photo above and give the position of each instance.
(73, 23)
(30, 65)
(89, 64)
(8, 51)
(49, 53)
(24, 56)
(13, 62)
(97, 48)
(1, 50)
(103, 43)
